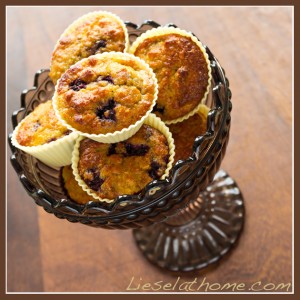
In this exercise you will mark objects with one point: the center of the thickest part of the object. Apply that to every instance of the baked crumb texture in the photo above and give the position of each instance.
(40, 127)
(93, 33)
(105, 93)
(126, 167)
(181, 70)
(184, 133)
(75, 192)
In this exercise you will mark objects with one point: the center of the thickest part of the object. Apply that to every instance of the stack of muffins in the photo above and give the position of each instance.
(110, 122)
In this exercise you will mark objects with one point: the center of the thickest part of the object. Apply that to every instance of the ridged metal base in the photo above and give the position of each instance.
(200, 234)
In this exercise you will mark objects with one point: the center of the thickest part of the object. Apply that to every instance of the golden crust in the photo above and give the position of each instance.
(184, 133)
(181, 70)
(75, 192)
(113, 92)
(126, 167)
(92, 33)
(40, 127)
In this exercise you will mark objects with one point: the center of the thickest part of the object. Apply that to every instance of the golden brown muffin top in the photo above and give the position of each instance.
(181, 71)
(41, 126)
(184, 133)
(93, 33)
(75, 192)
(105, 93)
(126, 167)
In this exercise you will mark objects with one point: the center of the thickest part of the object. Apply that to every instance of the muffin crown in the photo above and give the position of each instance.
(182, 67)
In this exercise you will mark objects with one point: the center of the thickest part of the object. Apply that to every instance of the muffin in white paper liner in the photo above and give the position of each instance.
(126, 132)
(152, 121)
(63, 60)
(55, 154)
(161, 31)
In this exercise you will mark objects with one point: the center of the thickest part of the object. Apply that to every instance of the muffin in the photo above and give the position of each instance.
(106, 171)
(42, 135)
(75, 192)
(184, 133)
(93, 33)
(182, 68)
(106, 97)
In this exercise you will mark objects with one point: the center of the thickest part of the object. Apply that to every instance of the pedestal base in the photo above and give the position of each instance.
(200, 234)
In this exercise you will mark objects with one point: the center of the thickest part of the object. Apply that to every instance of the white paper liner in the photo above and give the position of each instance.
(54, 154)
(152, 121)
(86, 16)
(171, 30)
(125, 133)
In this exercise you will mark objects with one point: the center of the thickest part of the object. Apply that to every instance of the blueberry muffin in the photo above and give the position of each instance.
(182, 68)
(106, 171)
(93, 33)
(41, 127)
(104, 94)
(75, 192)
(42, 135)
(185, 132)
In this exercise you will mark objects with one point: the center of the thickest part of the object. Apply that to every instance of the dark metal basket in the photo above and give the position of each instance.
(195, 221)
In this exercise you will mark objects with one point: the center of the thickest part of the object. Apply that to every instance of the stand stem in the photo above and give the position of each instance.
(187, 214)
(201, 233)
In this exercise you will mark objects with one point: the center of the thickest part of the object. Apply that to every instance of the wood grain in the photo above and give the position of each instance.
(254, 45)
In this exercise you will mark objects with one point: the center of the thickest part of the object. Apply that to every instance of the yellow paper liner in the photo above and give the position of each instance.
(152, 121)
(56, 154)
(203, 110)
(125, 133)
(171, 30)
(78, 21)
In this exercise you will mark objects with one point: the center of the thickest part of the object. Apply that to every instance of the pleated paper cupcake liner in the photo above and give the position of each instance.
(125, 133)
(152, 121)
(160, 31)
(72, 27)
(56, 154)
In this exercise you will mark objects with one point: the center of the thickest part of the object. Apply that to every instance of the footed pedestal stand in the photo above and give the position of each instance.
(182, 223)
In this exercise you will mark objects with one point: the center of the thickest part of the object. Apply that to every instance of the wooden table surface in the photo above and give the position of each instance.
(254, 46)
